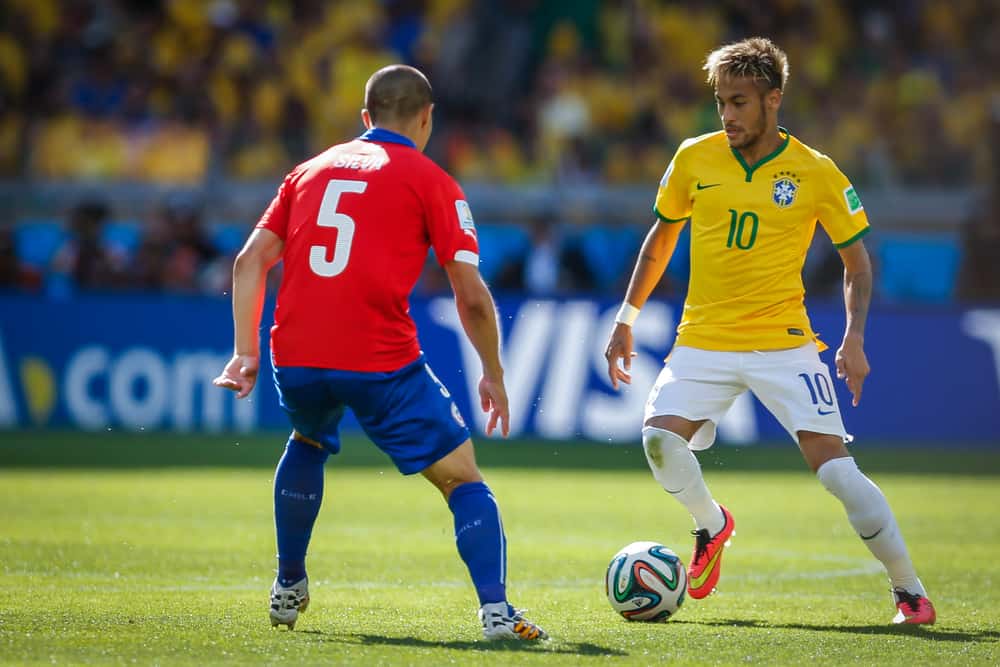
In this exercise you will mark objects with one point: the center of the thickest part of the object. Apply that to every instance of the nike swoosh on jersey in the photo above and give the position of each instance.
(705, 187)
(822, 412)
(698, 581)
(870, 537)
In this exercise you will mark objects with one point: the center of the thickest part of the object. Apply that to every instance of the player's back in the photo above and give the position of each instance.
(357, 221)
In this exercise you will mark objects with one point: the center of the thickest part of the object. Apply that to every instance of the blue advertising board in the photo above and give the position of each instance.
(146, 362)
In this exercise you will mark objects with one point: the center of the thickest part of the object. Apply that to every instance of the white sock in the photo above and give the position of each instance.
(501, 608)
(677, 470)
(869, 514)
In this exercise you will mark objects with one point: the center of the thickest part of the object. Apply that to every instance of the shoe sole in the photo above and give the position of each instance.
(276, 620)
(511, 636)
(909, 621)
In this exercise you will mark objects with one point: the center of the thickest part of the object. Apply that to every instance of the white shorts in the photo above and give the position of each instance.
(794, 385)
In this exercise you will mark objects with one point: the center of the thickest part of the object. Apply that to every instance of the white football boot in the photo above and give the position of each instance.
(501, 621)
(288, 602)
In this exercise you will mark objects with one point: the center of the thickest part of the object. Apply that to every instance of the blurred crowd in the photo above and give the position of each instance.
(561, 92)
(181, 91)
(173, 250)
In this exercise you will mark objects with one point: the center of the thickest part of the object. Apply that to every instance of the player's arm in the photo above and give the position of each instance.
(852, 364)
(479, 319)
(653, 258)
(840, 211)
(261, 252)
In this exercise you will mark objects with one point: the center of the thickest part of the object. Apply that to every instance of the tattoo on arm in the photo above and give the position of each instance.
(857, 297)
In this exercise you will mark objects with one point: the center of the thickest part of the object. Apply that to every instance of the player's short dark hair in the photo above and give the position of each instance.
(396, 92)
(757, 57)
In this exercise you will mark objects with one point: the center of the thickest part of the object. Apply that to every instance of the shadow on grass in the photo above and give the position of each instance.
(552, 646)
(922, 631)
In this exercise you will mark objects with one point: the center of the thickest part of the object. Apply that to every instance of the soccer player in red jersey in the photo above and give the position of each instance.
(353, 226)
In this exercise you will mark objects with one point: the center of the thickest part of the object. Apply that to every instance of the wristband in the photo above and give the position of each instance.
(627, 314)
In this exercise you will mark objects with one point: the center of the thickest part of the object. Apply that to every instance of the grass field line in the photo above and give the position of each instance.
(870, 568)
(116, 585)
(791, 554)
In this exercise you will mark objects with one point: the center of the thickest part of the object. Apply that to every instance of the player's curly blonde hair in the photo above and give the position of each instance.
(756, 57)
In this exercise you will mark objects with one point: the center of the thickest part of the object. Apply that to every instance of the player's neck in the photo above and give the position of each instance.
(402, 130)
(764, 146)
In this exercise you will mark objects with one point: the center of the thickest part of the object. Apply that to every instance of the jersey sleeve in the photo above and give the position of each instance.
(673, 197)
(450, 225)
(839, 208)
(275, 218)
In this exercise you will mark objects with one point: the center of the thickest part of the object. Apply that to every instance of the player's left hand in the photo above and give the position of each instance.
(852, 365)
(620, 347)
(239, 375)
(493, 400)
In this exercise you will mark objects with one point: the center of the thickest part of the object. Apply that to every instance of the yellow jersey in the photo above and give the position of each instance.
(751, 226)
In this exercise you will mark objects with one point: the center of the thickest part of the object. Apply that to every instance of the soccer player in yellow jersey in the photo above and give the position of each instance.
(752, 194)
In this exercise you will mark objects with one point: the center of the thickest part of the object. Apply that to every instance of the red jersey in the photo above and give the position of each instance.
(357, 221)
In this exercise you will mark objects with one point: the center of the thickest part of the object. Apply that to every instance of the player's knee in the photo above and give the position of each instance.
(820, 448)
(837, 475)
(457, 468)
(678, 426)
(448, 486)
(304, 449)
(304, 440)
(652, 443)
(660, 445)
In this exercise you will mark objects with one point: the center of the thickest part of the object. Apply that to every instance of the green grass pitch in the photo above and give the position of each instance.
(155, 549)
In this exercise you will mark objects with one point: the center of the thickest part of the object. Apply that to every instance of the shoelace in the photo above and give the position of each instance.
(909, 599)
(515, 615)
(701, 543)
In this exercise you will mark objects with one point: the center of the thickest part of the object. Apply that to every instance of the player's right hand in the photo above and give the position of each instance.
(493, 399)
(620, 347)
(239, 375)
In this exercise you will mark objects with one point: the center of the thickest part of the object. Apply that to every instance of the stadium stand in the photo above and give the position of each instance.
(565, 94)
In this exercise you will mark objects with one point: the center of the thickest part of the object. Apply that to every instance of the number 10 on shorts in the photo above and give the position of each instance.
(819, 390)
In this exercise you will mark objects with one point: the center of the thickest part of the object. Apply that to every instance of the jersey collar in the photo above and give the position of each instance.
(386, 137)
(767, 158)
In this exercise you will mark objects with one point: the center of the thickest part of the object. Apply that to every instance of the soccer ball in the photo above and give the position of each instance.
(646, 582)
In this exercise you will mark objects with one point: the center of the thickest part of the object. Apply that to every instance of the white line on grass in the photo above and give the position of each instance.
(559, 584)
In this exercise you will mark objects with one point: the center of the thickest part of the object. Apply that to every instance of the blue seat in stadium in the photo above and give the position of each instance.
(36, 241)
(499, 244)
(122, 235)
(229, 237)
(918, 268)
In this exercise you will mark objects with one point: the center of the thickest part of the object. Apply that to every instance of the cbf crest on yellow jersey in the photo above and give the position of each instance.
(751, 226)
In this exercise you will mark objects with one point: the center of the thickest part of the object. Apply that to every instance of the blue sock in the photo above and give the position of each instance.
(480, 539)
(298, 493)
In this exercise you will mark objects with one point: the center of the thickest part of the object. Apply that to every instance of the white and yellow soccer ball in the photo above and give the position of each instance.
(646, 581)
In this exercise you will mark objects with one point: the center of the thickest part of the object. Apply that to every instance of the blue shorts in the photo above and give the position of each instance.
(407, 413)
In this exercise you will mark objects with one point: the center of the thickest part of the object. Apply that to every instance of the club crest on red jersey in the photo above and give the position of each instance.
(465, 220)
